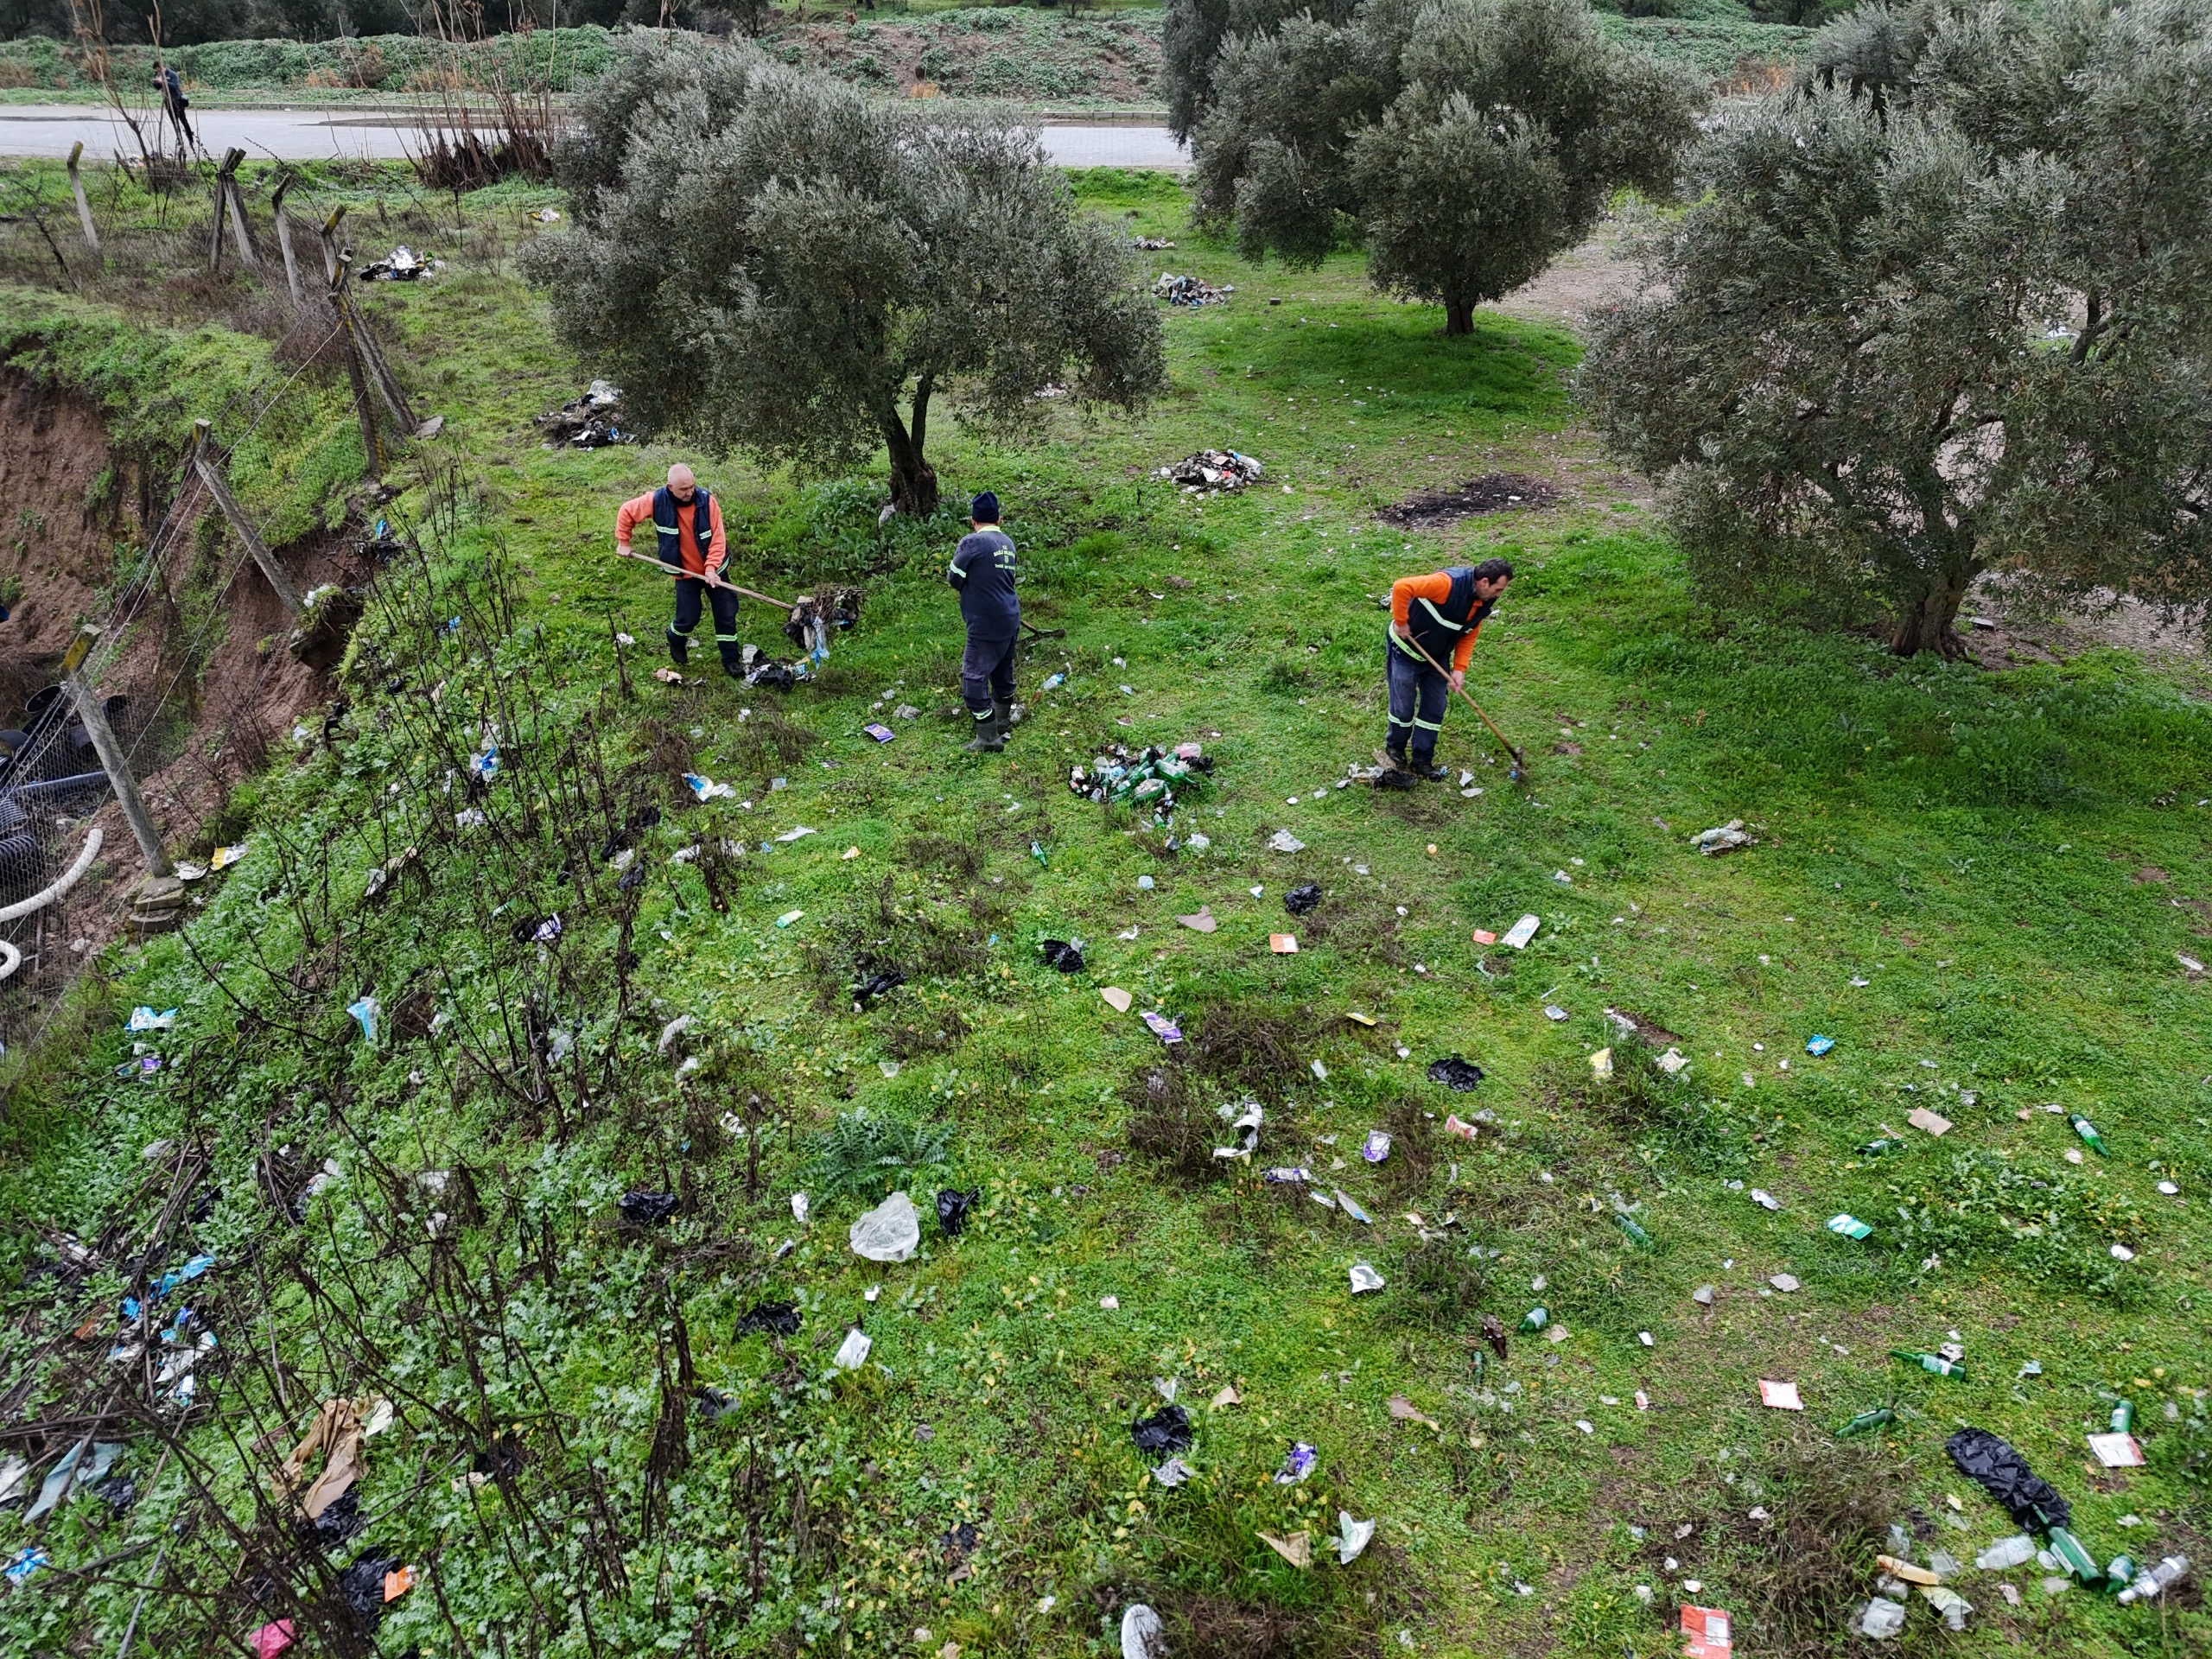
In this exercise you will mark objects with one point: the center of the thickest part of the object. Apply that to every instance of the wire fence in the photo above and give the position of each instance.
(186, 668)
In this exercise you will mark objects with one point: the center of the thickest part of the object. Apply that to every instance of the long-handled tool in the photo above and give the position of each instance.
(711, 581)
(1037, 632)
(1520, 760)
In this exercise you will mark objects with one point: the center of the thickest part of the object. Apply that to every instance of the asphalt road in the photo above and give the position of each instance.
(325, 134)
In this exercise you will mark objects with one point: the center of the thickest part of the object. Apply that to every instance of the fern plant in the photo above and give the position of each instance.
(860, 1156)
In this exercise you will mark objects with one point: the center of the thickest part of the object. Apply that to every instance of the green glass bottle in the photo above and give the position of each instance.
(1637, 1235)
(2123, 1417)
(2088, 1131)
(1934, 1365)
(1865, 1420)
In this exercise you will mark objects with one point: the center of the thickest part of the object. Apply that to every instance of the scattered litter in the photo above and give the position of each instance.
(1879, 1619)
(2006, 1554)
(1162, 1028)
(1062, 955)
(1702, 1296)
(2116, 1451)
(706, 789)
(890, 1232)
(1553, 1013)
(1283, 944)
(1779, 1396)
(1724, 839)
(879, 731)
(1601, 1064)
(1283, 842)
(1817, 1046)
(1190, 291)
(1111, 1304)
(2154, 1581)
(1301, 900)
(1227, 1396)
(1704, 1631)
(1167, 1429)
(74, 1470)
(1141, 776)
(1404, 1411)
(952, 1208)
(1934, 1122)
(643, 1208)
(1536, 1319)
(1141, 1633)
(1297, 1464)
(1174, 1473)
(1375, 1147)
(364, 1013)
(591, 421)
(1297, 1549)
(2088, 1131)
(1117, 998)
(1848, 1226)
(403, 265)
(667, 675)
(1454, 1124)
(1350, 1207)
(1517, 935)
(1934, 1364)
(1783, 1282)
(1949, 1602)
(1764, 1199)
(852, 1353)
(1352, 1537)
(1673, 1061)
(2001, 1471)
(766, 1318)
(799, 833)
(25, 1562)
(788, 917)
(1364, 1277)
(144, 1019)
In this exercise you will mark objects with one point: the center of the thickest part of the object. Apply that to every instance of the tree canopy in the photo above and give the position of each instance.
(1939, 312)
(773, 261)
(1471, 140)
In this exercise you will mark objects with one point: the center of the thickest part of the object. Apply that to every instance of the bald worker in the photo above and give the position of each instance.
(689, 523)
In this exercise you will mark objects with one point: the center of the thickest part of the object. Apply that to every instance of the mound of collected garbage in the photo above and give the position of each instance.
(1141, 776)
(1190, 291)
(591, 421)
(1212, 470)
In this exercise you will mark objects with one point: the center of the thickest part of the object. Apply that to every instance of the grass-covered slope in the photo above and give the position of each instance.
(1976, 883)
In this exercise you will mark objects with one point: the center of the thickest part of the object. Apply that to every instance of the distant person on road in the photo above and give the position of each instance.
(1433, 621)
(982, 571)
(174, 103)
(687, 522)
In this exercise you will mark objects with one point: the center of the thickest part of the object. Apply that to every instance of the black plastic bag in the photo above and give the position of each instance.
(1299, 900)
(1059, 954)
(341, 1519)
(643, 1208)
(780, 1319)
(952, 1208)
(1167, 1429)
(1457, 1075)
(880, 983)
(362, 1584)
(502, 1457)
(1993, 1464)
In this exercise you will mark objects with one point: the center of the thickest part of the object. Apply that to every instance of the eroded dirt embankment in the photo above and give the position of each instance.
(203, 665)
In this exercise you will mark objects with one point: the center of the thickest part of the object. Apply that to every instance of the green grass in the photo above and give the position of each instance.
(2009, 861)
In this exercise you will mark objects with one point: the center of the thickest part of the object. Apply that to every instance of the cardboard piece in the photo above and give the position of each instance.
(1705, 1634)
(1283, 944)
(1934, 1122)
(2117, 1450)
(1779, 1396)
(1117, 998)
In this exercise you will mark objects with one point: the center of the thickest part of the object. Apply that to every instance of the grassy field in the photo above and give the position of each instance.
(1976, 883)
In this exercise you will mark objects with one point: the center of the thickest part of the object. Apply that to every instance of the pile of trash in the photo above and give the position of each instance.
(1152, 244)
(1213, 470)
(1724, 838)
(1190, 291)
(591, 421)
(814, 616)
(1145, 777)
(756, 667)
(403, 266)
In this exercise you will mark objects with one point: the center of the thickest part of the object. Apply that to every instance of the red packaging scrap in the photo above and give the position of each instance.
(1704, 1631)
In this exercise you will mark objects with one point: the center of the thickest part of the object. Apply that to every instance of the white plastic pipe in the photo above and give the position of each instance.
(69, 879)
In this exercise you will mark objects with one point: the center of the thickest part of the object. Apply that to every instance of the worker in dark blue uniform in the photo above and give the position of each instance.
(1433, 621)
(982, 572)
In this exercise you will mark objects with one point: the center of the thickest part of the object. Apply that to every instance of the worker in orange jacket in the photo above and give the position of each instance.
(687, 522)
(1440, 613)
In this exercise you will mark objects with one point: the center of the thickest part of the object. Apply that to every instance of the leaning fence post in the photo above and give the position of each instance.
(284, 238)
(363, 408)
(203, 462)
(112, 760)
(84, 207)
(226, 185)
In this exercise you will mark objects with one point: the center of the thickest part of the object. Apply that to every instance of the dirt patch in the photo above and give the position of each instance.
(208, 683)
(1492, 492)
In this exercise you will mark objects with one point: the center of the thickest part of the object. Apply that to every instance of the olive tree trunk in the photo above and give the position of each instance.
(914, 480)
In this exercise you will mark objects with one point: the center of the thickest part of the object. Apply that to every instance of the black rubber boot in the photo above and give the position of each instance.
(1003, 720)
(732, 661)
(990, 736)
(1423, 766)
(679, 648)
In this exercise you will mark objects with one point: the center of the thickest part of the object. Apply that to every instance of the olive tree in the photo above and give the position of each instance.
(771, 261)
(1470, 141)
(1940, 312)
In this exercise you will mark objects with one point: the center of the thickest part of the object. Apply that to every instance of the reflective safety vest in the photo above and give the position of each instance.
(671, 534)
(1437, 628)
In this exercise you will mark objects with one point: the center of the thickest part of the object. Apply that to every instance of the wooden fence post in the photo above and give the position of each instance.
(203, 462)
(84, 207)
(227, 184)
(112, 760)
(364, 406)
(284, 238)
